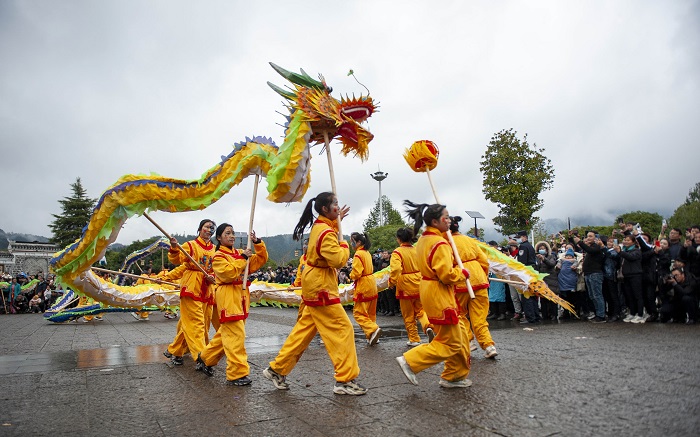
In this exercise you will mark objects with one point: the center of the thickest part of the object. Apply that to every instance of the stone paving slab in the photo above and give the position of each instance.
(570, 379)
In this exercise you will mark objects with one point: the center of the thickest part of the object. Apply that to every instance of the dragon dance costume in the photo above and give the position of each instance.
(406, 277)
(233, 304)
(477, 264)
(365, 308)
(439, 276)
(194, 297)
(323, 312)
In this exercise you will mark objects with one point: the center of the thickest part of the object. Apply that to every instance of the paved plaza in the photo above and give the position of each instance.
(569, 379)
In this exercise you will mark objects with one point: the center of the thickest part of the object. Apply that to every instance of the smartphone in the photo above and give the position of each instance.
(597, 236)
(615, 241)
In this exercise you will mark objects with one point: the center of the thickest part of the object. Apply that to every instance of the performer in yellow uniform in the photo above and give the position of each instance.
(233, 303)
(365, 297)
(405, 276)
(474, 310)
(322, 312)
(439, 276)
(194, 292)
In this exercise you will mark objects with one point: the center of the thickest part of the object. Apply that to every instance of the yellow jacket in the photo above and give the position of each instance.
(300, 271)
(193, 284)
(362, 269)
(439, 276)
(319, 282)
(232, 301)
(474, 260)
(404, 273)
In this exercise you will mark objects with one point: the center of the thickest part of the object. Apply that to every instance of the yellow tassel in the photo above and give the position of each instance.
(422, 155)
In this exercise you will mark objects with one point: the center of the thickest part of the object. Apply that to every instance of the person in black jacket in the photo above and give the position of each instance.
(545, 263)
(632, 272)
(526, 255)
(649, 280)
(680, 297)
(593, 267)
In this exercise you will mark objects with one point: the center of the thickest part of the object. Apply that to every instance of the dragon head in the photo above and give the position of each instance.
(337, 118)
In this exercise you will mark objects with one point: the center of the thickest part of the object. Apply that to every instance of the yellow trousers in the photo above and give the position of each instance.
(143, 315)
(211, 318)
(477, 309)
(190, 328)
(412, 311)
(450, 346)
(337, 334)
(365, 314)
(229, 340)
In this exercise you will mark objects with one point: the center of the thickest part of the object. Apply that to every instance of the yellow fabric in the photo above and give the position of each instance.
(474, 260)
(412, 311)
(361, 273)
(229, 267)
(300, 271)
(457, 366)
(193, 282)
(323, 258)
(435, 261)
(229, 340)
(332, 322)
(476, 309)
(365, 314)
(450, 346)
(191, 328)
(207, 309)
(405, 275)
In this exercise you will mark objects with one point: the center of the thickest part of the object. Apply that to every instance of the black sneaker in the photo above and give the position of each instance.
(167, 354)
(201, 367)
(597, 319)
(240, 382)
(176, 361)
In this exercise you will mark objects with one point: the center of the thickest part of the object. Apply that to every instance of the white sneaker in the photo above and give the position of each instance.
(473, 346)
(491, 352)
(637, 319)
(374, 338)
(628, 318)
(280, 381)
(412, 343)
(349, 388)
(407, 370)
(464, 383)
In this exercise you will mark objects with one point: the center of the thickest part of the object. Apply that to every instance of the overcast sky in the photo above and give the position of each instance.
(99, 89)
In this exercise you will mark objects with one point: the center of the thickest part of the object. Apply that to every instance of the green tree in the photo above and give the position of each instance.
(693, 194)
(515, 174)
(77, 209)
(685, 216)
(384, 237)
(390, 215)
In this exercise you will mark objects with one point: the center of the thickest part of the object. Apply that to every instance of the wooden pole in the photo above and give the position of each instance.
(332, 174)
(145, 278)
(449, 236)
(192, 260)
(508, 281)
(250, 230)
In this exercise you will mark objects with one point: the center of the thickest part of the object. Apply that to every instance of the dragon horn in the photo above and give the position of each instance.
(298, 79)
(286, 94)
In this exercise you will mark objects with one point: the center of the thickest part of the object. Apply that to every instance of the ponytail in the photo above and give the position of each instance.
(324, 199)
(363, 239)
(454, 223)
(423, 213)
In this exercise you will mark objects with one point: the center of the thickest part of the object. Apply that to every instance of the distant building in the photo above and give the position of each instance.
(28, 257)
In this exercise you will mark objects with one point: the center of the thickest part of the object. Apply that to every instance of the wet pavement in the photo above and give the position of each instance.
(576, 378)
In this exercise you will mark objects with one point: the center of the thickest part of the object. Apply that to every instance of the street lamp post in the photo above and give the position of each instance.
(475, 215)
(379, 176)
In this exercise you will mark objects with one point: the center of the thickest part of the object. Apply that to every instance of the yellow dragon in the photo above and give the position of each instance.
(313, 111)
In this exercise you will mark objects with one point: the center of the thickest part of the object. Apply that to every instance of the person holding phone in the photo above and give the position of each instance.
(593, 264)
